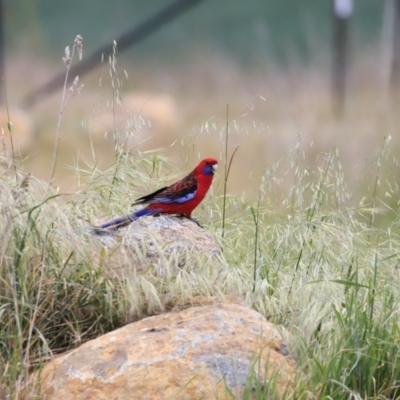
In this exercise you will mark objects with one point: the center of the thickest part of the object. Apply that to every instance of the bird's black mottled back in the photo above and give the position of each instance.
(147, 199)
(180, 189)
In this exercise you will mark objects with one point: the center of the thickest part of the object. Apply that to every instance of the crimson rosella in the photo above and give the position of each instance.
(180, 198)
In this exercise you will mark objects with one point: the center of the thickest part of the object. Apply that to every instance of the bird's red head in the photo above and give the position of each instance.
(207, 167)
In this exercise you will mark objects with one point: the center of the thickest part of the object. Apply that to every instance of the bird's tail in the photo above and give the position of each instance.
(124, 221)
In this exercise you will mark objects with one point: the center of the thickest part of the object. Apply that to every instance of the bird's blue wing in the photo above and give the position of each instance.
(179, 199)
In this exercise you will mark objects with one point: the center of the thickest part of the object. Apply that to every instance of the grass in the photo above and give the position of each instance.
(308, 259)
(321, 272)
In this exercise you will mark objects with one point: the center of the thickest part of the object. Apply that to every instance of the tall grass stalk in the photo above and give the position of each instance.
(228, 166)
(116, 99)
(295, 166)
(380, 154)
(226, 171)
(10, 128)
(256, 217)
(68, 58)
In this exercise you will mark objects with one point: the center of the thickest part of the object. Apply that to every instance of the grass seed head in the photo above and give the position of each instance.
(79, 46)
(67, 56)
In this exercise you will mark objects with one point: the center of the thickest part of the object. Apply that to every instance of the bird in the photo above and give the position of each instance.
(180, 198)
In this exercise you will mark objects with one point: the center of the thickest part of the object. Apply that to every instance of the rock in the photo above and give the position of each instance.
(155, 240)
(198, 353)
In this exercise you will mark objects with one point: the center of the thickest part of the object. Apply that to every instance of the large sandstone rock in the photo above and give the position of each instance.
(157, 240)
(198, 353)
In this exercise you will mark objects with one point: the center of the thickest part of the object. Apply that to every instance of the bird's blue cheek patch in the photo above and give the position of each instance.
(208, 170)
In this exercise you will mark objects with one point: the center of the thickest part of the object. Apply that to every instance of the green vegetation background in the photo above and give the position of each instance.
(247, 31)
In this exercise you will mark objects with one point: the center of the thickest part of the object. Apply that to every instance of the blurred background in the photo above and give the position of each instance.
(293, 78)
